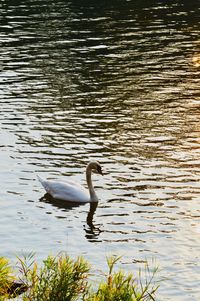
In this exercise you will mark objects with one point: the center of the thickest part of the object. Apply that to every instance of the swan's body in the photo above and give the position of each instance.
(71, 191)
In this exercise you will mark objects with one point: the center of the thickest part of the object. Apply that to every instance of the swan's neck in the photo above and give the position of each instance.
(93, 196)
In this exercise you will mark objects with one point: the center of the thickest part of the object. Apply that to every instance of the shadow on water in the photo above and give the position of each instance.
(47, 198)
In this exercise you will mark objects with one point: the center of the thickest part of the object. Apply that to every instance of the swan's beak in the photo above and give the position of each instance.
(101, 172)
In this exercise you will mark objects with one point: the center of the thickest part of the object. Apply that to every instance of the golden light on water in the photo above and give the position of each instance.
(196, 60)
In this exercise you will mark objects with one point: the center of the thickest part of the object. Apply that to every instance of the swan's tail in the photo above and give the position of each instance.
(40, 179)
(42, 182)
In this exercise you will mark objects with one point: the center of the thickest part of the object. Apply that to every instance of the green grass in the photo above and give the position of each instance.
(61, 278)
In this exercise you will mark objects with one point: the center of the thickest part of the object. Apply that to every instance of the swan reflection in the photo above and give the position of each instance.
(91, 229)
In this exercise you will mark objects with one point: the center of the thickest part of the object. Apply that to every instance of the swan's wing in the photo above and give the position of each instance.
(69, 191)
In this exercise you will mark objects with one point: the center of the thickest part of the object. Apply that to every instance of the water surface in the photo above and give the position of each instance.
(117, 82)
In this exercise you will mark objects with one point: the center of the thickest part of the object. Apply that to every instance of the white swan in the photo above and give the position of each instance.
(71, 191)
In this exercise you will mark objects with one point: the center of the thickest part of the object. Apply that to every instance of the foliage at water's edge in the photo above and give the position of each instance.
(62, 278)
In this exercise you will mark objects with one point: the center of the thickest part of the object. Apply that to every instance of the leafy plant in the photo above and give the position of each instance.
(6, 278)
(120, 286)
(60, 278)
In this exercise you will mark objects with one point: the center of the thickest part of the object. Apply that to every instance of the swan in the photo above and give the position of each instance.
(71, 191)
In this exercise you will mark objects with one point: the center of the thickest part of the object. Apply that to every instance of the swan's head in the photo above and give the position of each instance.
(95, 166)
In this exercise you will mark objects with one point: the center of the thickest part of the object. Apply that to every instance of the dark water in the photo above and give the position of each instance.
(118, 82)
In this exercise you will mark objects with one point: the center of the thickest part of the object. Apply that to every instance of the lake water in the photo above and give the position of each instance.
(118, 82)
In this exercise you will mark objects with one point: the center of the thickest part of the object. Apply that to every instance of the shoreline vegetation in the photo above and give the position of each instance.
(61, 278)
